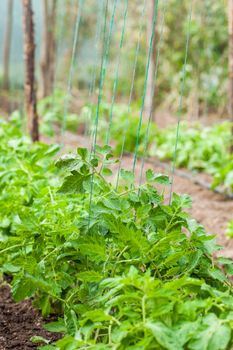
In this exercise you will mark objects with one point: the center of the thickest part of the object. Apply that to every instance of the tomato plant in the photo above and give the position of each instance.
(122, 271)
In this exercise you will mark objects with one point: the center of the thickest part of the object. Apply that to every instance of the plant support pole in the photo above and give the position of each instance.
(149, 98)
(7, 45)
(230, 59)
(29, 79)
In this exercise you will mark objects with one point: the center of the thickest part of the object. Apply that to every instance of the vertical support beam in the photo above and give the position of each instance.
(7, 44)
(29, 80)
(230, 53)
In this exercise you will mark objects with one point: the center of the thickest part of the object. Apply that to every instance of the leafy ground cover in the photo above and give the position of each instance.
(124, 270)
(200, 149)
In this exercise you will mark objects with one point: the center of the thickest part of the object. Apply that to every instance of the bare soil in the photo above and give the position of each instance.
(19, 322)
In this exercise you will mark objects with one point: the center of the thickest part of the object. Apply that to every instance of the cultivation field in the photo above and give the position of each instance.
(20, 321)
(116, 175)
(38, 237)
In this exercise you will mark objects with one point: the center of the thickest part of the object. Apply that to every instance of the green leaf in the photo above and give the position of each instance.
(97, 315)
(106, 172)
(217, 274)
(225, 261)
(89, 276)
(52, 150)
(158, 178)
(95, 251)
(55, 327)
(11, 268)
(68, 342)
(183, 201)
(22, 288)
(39, 339)
(103, 150)
(94, 162)
(165, 336)
(45, 305)
(74, 183)
(83, 152)
(213, 335)
(69, 162)
(127, 175)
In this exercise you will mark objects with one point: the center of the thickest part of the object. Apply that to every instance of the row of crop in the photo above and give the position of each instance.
(199, 148)
(118, 269)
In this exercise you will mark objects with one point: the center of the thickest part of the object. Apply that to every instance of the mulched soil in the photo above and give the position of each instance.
(18, 323)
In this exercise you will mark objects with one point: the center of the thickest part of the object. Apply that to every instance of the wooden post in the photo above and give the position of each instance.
(48, 48)
(7, 45)
(29, 80)
(230, 52)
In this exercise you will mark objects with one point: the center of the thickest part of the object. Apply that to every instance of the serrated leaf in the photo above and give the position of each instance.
(183, 201)
(158, 178)
(103, 150)
(127, 175)
(74, 183)
(89, 276)
(217, 274)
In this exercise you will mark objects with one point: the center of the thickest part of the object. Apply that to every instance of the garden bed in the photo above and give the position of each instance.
(19, 322)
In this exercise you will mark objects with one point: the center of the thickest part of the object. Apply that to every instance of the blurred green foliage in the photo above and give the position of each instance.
(200, 149)
(206, 81)
(53, 114)
(207, 66)
(206, 78)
